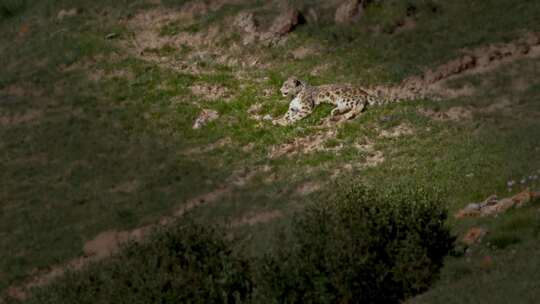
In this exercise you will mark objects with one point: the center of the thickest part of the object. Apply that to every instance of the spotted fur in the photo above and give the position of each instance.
(348, 101)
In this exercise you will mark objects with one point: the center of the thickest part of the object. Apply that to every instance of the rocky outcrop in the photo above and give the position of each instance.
(493, 206)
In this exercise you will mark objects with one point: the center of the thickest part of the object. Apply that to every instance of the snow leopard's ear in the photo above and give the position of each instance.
(297, 82)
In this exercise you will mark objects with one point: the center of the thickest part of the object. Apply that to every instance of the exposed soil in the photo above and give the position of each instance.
(452, 114)
(304, 145)
(375, 159)
(16, 119)
(126, 187)
(303, 52)
(252, 219)
(401, 130)
(211, 92)
(211, 147)
(21, 90)
(497, 106)
(308, 188)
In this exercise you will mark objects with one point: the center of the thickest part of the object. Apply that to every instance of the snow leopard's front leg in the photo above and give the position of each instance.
(298, 109)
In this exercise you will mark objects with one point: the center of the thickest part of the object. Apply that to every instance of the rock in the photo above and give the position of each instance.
(349, 11)
(64, 13)
(285, 22)
(474, 236)
(204, 118)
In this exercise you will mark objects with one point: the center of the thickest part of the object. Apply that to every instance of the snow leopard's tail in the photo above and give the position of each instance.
(384, 95)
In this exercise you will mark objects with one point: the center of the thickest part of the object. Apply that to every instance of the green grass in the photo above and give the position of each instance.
(65, 172)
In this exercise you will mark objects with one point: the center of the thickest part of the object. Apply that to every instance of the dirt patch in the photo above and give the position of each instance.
(497, 106)
(303, 145)
(22, 90)
(257, 218)
(97, 75)
(520, 84)
(17, 119)
(494, 206)
(304, 52)
(126, 187)
(108, 242)
(211, 147)
(443, 91)
(374, 159)
(407, 24)
(308, 188)
(320, 69)
(211, 92)
(35, 159)
(399, 131)
(452, 114)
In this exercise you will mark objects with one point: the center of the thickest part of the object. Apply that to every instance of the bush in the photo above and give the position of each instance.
(188, 263)
(363, 246)
(10, 8)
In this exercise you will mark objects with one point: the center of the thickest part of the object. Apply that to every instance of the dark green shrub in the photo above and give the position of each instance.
(363, 246)
(188, 263)
(10, 8)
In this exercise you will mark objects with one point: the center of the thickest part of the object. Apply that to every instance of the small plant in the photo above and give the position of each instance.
(363, 246)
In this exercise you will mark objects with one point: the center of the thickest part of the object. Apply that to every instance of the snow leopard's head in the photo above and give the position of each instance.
(291, 87)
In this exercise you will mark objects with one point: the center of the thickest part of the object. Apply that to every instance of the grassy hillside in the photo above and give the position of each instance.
(98, 100)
